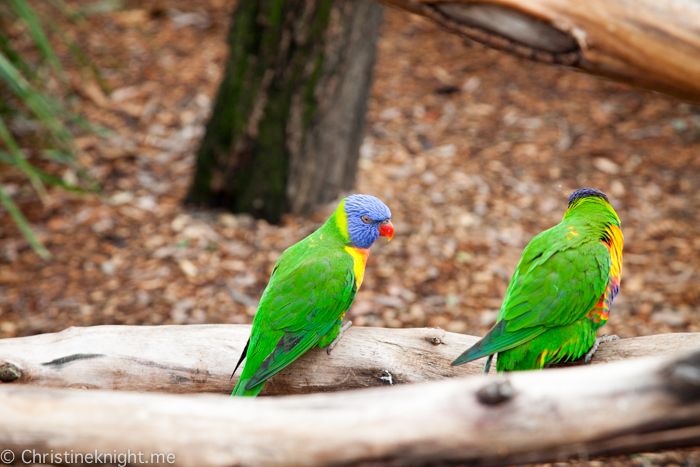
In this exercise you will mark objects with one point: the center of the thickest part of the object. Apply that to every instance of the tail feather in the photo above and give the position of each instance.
(243, 355)
(497, 340)
(240, 389)
(487, 367)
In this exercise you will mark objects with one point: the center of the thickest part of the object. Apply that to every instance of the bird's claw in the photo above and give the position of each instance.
(596, 343)
(343, 328)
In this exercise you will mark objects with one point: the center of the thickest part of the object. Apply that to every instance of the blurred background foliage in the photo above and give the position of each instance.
(37, 125)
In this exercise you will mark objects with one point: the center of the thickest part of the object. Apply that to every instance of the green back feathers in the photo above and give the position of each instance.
(311, 286)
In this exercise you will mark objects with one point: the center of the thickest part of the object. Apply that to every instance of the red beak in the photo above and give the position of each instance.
(386, 229)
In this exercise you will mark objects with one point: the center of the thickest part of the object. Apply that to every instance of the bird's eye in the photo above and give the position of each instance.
(366, 219)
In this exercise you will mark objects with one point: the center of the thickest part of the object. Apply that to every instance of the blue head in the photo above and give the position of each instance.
(367, 220)
(585, 193)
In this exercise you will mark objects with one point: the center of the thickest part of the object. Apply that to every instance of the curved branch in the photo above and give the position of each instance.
(543, 416)
(646, 43)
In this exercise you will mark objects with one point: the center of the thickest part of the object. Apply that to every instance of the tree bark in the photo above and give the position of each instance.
(646, 43)
(546, 416)
(287, 124)
(198, 359)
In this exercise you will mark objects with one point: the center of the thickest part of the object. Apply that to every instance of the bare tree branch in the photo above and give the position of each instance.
(646, 43)
(550, 415)
(197, 359)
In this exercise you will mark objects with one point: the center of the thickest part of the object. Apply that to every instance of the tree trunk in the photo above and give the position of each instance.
(530, 416)
(287, 124)
(196, 359)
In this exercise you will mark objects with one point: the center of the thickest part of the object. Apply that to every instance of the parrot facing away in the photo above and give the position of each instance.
(311, 287)
(561, 291)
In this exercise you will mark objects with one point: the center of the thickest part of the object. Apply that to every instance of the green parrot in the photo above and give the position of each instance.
(561, 291)
(312, 286)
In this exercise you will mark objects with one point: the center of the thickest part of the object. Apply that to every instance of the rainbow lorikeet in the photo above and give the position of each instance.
(312, 286)
(561, 291)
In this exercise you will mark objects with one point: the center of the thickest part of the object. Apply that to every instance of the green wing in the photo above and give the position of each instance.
(557, 282)
(307, 295)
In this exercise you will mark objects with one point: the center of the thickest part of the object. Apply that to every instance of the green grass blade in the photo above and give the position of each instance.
(68, 11)
(37, 32)
(82, 58)
(101, 7)
(14, 57)
(36, 102)
(67, 159)
(23, 224)
(20, 161)
(45, 177)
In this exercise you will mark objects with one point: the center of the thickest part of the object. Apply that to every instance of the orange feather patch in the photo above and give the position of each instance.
(600, 312)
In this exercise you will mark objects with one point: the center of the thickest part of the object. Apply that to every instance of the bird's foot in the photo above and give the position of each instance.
(596, 343)
(343, 328)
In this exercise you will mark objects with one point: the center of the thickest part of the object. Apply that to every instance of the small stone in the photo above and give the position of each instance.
(606, 165)
(228, 220)
(390, 114)
(488, 318)
(121, 198)
(108, 267)
(361, 307)
(8, 327)
(147, 203)
(389, 301)
(447, 150)
(188, 268)
(416, 312)
(669, 317)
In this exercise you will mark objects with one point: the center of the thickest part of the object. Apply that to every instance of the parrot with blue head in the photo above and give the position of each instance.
(311, 287)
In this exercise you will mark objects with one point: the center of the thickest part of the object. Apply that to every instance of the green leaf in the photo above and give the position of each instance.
(37, 32)
(101, 7)
(68, 11)
(67, 159)
(39, 105)
(33, 102)
(14, 57)
(83, 59)
(20, 161)
(23, 224)
(45, 177)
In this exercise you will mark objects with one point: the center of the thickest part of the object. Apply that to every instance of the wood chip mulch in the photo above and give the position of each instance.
(474, 151)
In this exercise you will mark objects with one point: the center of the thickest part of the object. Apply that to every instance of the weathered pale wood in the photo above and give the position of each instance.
(200, 358)
(648, 43)
(196, 359)
(552, 415)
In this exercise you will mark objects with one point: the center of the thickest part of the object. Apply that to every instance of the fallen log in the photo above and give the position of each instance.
(197, 359)
(646, 43)
(553, 415)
